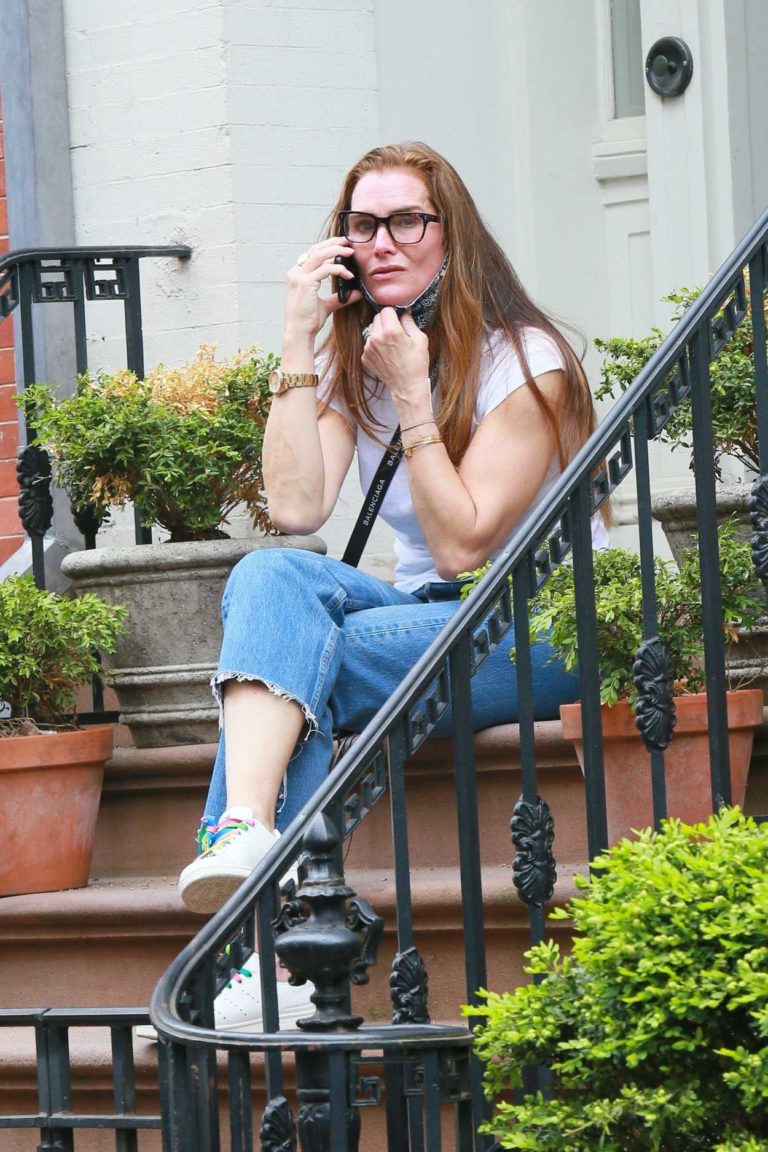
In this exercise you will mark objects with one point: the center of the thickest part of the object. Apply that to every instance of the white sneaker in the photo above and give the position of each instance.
(237, 1008)
(238, 846)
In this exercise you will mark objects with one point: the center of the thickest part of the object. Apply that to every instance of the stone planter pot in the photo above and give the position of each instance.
(51, 789)
(747, 661)
(162, 667)
(676, 512)
(627, 762)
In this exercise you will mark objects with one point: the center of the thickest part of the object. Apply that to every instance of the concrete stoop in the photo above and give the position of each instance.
(108, 944)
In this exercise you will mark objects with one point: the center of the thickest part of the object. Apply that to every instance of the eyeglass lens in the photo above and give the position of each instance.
(403, 227)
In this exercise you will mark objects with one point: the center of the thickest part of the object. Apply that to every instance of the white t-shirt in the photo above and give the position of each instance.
(501, 373)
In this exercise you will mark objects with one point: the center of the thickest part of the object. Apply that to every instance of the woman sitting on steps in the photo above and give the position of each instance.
(440, 340)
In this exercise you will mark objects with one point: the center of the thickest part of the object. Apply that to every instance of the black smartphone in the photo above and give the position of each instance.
(344, 288)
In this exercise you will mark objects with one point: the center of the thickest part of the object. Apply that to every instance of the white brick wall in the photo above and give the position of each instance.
(226, 125)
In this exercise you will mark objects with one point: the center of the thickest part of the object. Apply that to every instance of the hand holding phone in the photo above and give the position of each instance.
(345, 288)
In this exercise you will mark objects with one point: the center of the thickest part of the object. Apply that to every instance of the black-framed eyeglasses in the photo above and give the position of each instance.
(403, 227)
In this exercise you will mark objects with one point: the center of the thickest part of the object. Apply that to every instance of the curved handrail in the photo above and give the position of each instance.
(536, 526)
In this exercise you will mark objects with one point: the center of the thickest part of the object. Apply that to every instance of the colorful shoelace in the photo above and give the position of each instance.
(211, 835)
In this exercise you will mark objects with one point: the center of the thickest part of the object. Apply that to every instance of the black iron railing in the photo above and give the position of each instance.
(32, 278)
(420, 1068)
(53, 1112)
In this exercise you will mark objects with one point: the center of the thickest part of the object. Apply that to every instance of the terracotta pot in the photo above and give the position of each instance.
(51, 788)
(627, 762)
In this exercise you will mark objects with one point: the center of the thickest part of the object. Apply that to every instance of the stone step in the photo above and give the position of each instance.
(153, 798)
(109, 943)
(151, 804)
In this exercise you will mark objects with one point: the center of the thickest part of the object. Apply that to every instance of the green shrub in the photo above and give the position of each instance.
(619, 610)
(732, 386)
(184, 444)
(47, 646)
(656, 1026)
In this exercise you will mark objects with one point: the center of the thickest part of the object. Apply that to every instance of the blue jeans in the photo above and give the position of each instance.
(339, 642)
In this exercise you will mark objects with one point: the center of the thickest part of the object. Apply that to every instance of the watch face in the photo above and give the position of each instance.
(275, 381)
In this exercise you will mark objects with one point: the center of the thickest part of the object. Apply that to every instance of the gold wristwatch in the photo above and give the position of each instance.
(280, 381)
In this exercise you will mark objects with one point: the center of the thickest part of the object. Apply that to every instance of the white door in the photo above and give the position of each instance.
(682, 176)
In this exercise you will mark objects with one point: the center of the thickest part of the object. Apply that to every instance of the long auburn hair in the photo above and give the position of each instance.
(480, 293)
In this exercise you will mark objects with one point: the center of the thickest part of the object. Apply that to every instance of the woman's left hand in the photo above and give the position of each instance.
(397, 353)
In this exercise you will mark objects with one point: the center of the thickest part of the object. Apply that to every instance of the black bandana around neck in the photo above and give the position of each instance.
(422, 309)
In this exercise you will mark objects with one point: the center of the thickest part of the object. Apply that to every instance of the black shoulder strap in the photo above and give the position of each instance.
(373, 498)
(378, 489)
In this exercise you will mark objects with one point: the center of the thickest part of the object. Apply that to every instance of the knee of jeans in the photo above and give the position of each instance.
(260, 569)
(268, 563)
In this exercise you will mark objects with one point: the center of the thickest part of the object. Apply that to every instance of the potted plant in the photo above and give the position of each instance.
(654, 1027)
(50, 771)
(618, 604)
(734, 426)
(732, 376)
(184, 445)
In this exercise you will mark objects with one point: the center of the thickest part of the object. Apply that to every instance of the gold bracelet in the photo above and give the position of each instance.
(408, 450)
(421, 424)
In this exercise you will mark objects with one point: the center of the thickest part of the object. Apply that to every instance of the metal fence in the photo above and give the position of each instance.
(54, 1114)
(33, 279)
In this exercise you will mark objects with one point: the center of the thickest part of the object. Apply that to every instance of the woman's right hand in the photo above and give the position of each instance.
(305, 309)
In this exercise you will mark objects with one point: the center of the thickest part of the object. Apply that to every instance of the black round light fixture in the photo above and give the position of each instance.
(669, 66)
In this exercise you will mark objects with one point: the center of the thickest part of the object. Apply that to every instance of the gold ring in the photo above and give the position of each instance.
(303, 259)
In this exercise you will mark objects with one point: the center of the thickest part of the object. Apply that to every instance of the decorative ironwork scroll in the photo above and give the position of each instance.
(655, 710)
(425, 714)
(33, 473)
(758, 514)
(409, 988)
(53, 282)
(278, 1129)
(533, 834)
(359, 800)
(105, 279)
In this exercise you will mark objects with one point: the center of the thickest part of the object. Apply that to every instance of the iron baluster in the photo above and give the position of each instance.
(397, 755)
(589, 672)
(709, 566)
(655, 701)
(469, 844)
(533, 872)
(240, 1106)
(123, 1085)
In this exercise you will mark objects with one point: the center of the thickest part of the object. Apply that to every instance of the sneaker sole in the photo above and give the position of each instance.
(211, 892)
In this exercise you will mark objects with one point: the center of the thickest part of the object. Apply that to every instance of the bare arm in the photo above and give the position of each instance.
(465, 512)
(306, 457)
(305, 461)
